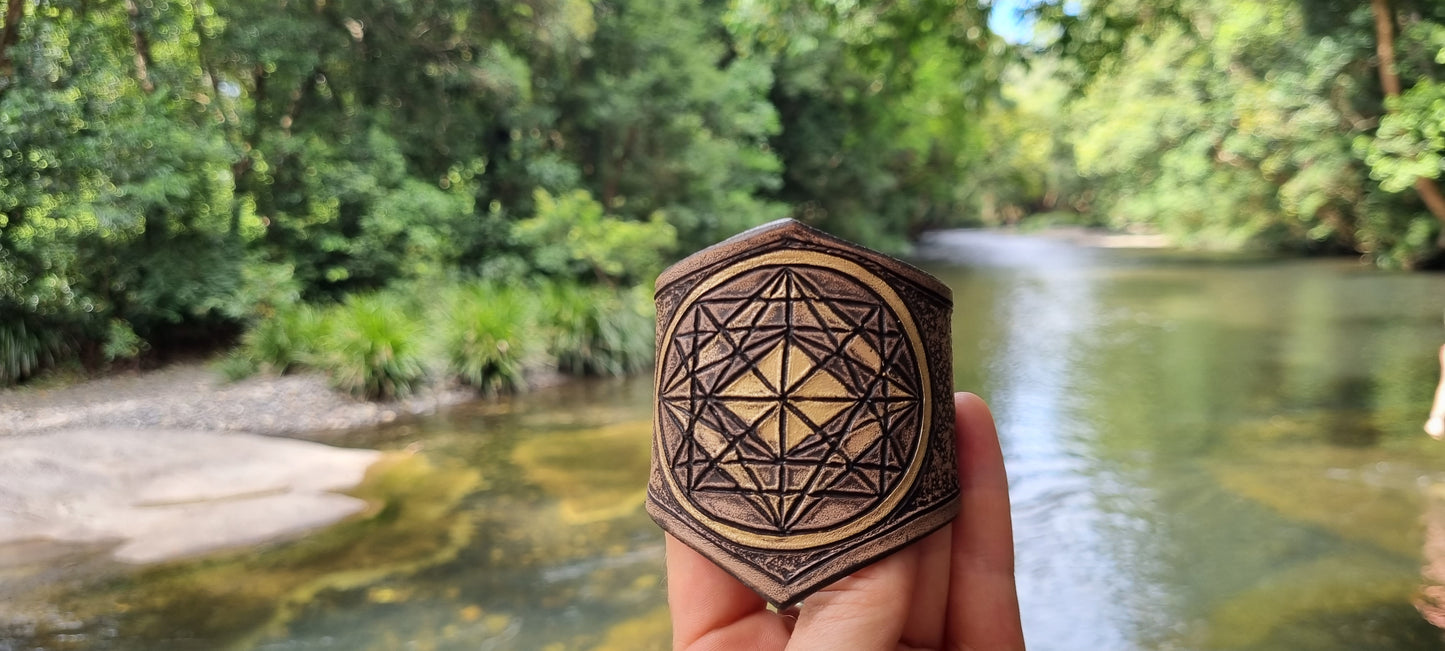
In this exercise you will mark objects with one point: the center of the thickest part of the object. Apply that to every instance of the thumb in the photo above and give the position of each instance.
(863, 611)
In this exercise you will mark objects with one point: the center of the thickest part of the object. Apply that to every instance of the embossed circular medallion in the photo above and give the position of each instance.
(791, 394)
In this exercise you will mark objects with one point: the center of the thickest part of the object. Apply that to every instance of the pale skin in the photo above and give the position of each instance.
(953, 590)
(1435, 425)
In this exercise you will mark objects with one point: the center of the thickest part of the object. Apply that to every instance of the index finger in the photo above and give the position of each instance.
(712, 610)
(983, 606)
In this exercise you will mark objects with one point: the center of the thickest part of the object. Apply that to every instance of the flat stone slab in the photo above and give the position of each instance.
(167, 494)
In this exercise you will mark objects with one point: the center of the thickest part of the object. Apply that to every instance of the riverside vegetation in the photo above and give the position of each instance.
(394, 192)
(385, 345)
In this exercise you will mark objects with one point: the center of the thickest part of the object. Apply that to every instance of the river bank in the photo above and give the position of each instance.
(191, 396)
(157, 495)
(149, 467)
(108, 474)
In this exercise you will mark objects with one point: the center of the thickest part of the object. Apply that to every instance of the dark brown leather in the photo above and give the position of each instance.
(804, 413)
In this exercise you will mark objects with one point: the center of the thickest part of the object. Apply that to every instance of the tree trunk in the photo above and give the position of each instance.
(14, 9)
(1390, 81)
(614, 170)
(142, 47)
(1385, 46)
(228, 119)
(293, 108)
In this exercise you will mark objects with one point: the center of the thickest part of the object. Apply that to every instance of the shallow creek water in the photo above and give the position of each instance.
(1203, 454)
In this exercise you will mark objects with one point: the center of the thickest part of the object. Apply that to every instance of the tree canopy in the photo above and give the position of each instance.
(172, 170)
(1305, 125)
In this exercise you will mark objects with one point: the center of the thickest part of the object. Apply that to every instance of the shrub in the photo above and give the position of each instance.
(285, 341)
(597, 330)
(266, 288)
(121, 342)
(484, 334)
(372, 348)
(485, 337)
(572, 236)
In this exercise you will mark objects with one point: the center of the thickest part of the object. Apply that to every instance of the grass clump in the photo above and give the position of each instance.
(372, 348)
(485, 337)
(286, 341)
(597, 330)
(236, 366)
(25, 350)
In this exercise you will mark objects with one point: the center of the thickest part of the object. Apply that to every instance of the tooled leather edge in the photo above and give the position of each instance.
(782, 595)
(772, 231)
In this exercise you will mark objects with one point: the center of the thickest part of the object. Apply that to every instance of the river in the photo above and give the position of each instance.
(1203, 453)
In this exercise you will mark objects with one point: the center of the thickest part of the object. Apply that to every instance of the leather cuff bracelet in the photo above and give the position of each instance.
(804, 411)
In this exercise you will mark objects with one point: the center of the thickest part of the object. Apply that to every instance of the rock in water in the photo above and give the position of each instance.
(162, 495)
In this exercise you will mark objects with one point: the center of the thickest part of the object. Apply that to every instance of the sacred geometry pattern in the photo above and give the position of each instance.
(792, 401)
(802, 426)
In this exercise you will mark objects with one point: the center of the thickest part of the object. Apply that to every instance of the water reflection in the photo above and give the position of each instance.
(1431, 599)
(1206, 455)
(1041, 310)
(565, 556)
(1203, 454)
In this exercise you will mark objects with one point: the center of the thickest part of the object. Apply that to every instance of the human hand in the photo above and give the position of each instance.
(951, 590)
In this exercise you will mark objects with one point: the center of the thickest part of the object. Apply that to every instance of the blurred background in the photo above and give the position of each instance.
(1191, 244)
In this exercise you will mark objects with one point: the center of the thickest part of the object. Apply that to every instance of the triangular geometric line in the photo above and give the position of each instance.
(835, 349)
(735, 365)
(852, 484)
(731, 447)
(833, 442)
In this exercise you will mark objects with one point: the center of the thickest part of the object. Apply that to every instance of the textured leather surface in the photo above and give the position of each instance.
(804, 413)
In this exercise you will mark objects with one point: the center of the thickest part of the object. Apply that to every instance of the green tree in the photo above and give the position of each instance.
(1240, 123)
(1406, 150)
(661, 115)
(880, 109)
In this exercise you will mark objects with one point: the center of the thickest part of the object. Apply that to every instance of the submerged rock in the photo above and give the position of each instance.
(595, 474)
(410, 522)
(162, 495)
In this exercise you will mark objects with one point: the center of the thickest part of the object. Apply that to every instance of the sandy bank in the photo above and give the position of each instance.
(1005, 247)
(190, 396)
(1103, 239)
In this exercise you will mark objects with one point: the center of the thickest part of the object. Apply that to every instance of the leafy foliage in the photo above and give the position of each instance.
(197, 166)
(571, 237)
(1229, 124)
(24, 350)
(878, 105)
(1410, 142)
(191, 168)
(121, 342)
